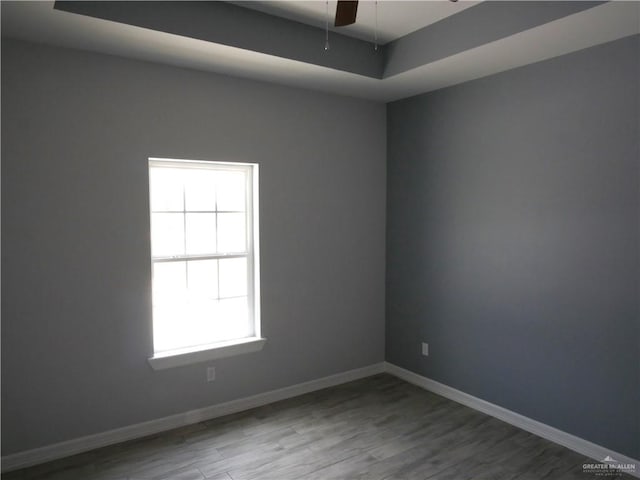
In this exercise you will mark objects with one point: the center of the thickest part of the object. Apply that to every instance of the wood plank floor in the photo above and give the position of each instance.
(378, 428)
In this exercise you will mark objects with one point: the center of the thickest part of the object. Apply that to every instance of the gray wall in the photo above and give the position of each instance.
(77, 129)
(513, 240)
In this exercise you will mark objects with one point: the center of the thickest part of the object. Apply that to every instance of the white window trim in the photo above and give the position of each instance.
(203, 353)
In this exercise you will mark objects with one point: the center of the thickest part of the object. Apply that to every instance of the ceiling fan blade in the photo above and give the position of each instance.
(346, 12)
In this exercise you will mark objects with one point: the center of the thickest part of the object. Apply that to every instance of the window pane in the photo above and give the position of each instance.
(166, 190)
(232, 236)
(169, 282)
(167, 234)
(233, 318)
(200, 191)
(231, 191)
(200, 322)
(203, 279)
(181, 325)
(233, 277)
(201, 233)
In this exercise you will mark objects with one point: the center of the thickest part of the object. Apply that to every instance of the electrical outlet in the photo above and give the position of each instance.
(425, 349)
(211, 374)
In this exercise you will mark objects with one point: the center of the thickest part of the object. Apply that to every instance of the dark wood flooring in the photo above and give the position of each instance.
(375, 428)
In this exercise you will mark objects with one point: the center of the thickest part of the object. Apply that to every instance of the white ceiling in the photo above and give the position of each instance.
(395, 18)
(39, 22)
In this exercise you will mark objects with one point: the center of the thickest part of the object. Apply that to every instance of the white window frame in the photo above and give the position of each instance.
(254, 343)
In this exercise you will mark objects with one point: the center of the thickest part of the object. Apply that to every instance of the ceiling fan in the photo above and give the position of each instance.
(347, 10)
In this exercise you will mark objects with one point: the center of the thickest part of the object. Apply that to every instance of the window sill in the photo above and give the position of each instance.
(203, 353)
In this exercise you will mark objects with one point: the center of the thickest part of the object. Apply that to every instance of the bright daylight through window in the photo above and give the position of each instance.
(204, 253)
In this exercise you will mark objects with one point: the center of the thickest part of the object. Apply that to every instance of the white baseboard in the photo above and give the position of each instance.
(577, 444)
(79, 445)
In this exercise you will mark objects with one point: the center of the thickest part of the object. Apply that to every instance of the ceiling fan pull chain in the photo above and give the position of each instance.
(326, 28)
(375, 32)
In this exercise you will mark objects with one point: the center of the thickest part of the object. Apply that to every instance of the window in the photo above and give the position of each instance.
(204, 254)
